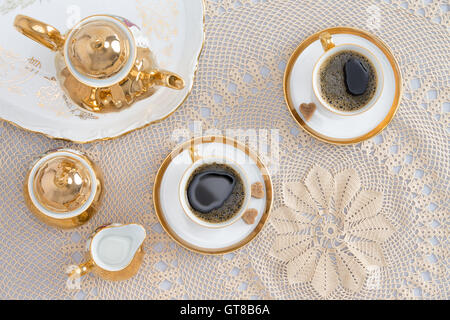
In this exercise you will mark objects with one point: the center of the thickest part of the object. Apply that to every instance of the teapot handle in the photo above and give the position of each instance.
(40, 32)
(164, 78)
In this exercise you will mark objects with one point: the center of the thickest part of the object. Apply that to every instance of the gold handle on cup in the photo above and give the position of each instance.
(326, 41)
(193, 152)
(40, 32)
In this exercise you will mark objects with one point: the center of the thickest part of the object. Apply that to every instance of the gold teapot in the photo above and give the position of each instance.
(104, 63)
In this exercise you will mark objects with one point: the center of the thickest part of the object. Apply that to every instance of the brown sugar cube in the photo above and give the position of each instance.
(308, 109)
(258, 190)
(250, 216)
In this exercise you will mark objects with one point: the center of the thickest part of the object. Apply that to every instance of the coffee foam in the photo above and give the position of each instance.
(332, 82)
(231, 206)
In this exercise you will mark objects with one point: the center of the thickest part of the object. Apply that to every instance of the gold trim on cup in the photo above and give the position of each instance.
(397, 75)
(203, 140)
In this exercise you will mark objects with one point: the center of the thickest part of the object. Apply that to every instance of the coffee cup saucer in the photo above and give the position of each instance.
(184, 230)
(324, 124)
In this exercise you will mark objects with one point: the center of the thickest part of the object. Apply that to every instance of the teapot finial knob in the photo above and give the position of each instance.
(98, 44)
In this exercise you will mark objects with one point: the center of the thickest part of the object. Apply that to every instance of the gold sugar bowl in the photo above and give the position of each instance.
(63, 188)
(104, 63)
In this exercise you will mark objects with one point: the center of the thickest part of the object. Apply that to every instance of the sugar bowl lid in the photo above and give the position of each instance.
(100, 50)
(63, 184)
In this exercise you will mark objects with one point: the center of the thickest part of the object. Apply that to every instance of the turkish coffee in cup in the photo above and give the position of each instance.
(214, 192)
(347, 78)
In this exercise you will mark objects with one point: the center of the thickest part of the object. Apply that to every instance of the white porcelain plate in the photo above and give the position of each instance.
(31, 98)
(324, 124)
(184, 230)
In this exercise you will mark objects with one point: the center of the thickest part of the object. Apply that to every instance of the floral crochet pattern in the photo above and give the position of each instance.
(330, 231)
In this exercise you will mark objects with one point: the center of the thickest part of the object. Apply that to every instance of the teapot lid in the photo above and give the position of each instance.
(100, 48)
(62, 182)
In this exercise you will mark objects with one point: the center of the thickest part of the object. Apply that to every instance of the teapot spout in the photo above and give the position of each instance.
(164, 78)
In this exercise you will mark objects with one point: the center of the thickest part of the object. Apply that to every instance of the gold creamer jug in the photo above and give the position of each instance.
(114, 252)
(104, 63)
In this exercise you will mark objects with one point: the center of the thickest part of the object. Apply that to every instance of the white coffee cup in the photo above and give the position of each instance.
(184, 186)
(330, 50)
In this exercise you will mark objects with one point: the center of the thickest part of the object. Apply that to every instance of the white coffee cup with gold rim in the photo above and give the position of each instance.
(330, 49)
(198, 162)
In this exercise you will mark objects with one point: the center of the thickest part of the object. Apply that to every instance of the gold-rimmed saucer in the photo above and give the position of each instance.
(191, 235)
(325, 125)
